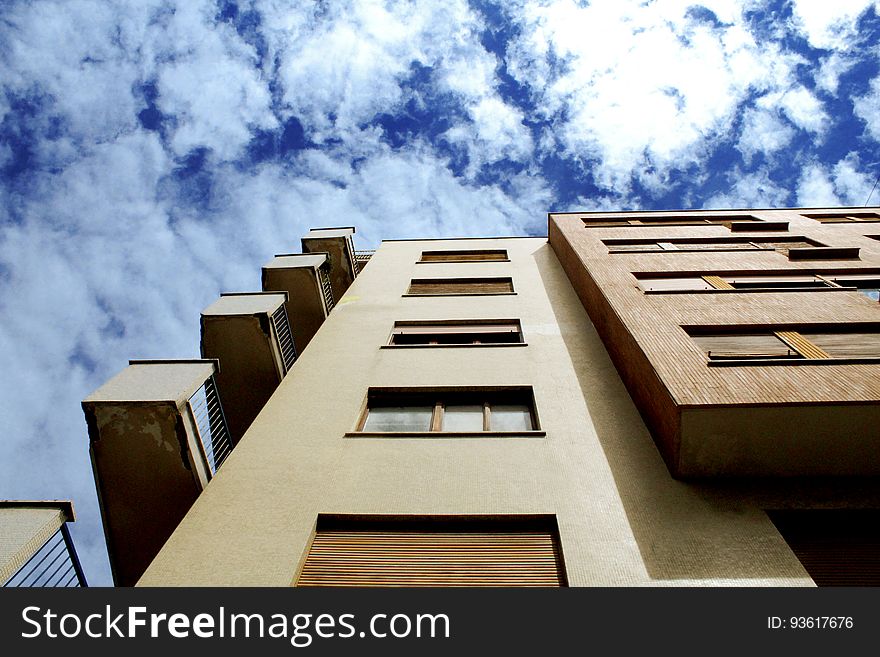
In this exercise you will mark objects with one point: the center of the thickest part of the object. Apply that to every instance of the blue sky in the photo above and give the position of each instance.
(154, 154)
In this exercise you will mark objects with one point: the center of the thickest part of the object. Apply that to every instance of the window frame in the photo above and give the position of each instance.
(856, 217)
(794, 336)
(464, 324)
(441, 397)
(463, 253)
(752, 244)
(757, 281)
(734, 223)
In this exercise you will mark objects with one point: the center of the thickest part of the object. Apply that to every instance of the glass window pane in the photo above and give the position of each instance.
(510, 417)
(463, 418)
(399, 418)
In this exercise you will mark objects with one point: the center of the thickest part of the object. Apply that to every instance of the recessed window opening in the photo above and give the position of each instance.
(449, 411)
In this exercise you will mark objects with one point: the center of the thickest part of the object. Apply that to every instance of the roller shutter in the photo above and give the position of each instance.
(429, 286)
(446, 555)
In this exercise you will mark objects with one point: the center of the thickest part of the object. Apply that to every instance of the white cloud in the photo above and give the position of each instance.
(851, 182)
(815, 188)
(830, 25)
(642, 88)
(753, 190)
(867, 108)
(763, 132)
(802, 108)
(828, 75)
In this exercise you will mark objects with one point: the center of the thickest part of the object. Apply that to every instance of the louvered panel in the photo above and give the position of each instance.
(846, 345)
(462, 286)
(802, 345)
(285, 337)
(420, 558)
(718, 283)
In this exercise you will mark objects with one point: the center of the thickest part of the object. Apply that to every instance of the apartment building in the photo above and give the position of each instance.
(500, 411)
(36, 549)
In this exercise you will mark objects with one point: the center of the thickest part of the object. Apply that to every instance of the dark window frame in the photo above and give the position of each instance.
(438, 398)
(795, 336)
(454, 333)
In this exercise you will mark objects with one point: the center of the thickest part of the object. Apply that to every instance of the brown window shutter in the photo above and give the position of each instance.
(432, 558)
(461, 286)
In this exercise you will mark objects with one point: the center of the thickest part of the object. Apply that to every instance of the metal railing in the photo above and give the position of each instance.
(285, 337)
(211, 423)
(326, 288)
(363, 257)
(55, 564)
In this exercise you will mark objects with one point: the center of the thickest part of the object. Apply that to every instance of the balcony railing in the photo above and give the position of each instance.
(362, 258)
(211, 423)
(55, 564)
(326, 288)
(285, 338)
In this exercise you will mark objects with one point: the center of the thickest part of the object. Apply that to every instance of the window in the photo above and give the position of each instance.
(667, 220)
(456, 332)
(844, 217)
(813, 344)
(449, 411)
(735, 223)
(784, 245)
(434, 551)
(459, 286)
(867, 283)
(484, 255)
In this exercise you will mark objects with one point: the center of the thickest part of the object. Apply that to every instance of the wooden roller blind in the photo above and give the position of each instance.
(435, 286)
(464, 256)
(419, 556)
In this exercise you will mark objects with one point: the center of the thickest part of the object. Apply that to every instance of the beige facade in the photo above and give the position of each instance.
(590, 463)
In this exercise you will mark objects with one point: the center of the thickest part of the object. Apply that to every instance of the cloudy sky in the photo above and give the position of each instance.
(156, 153)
